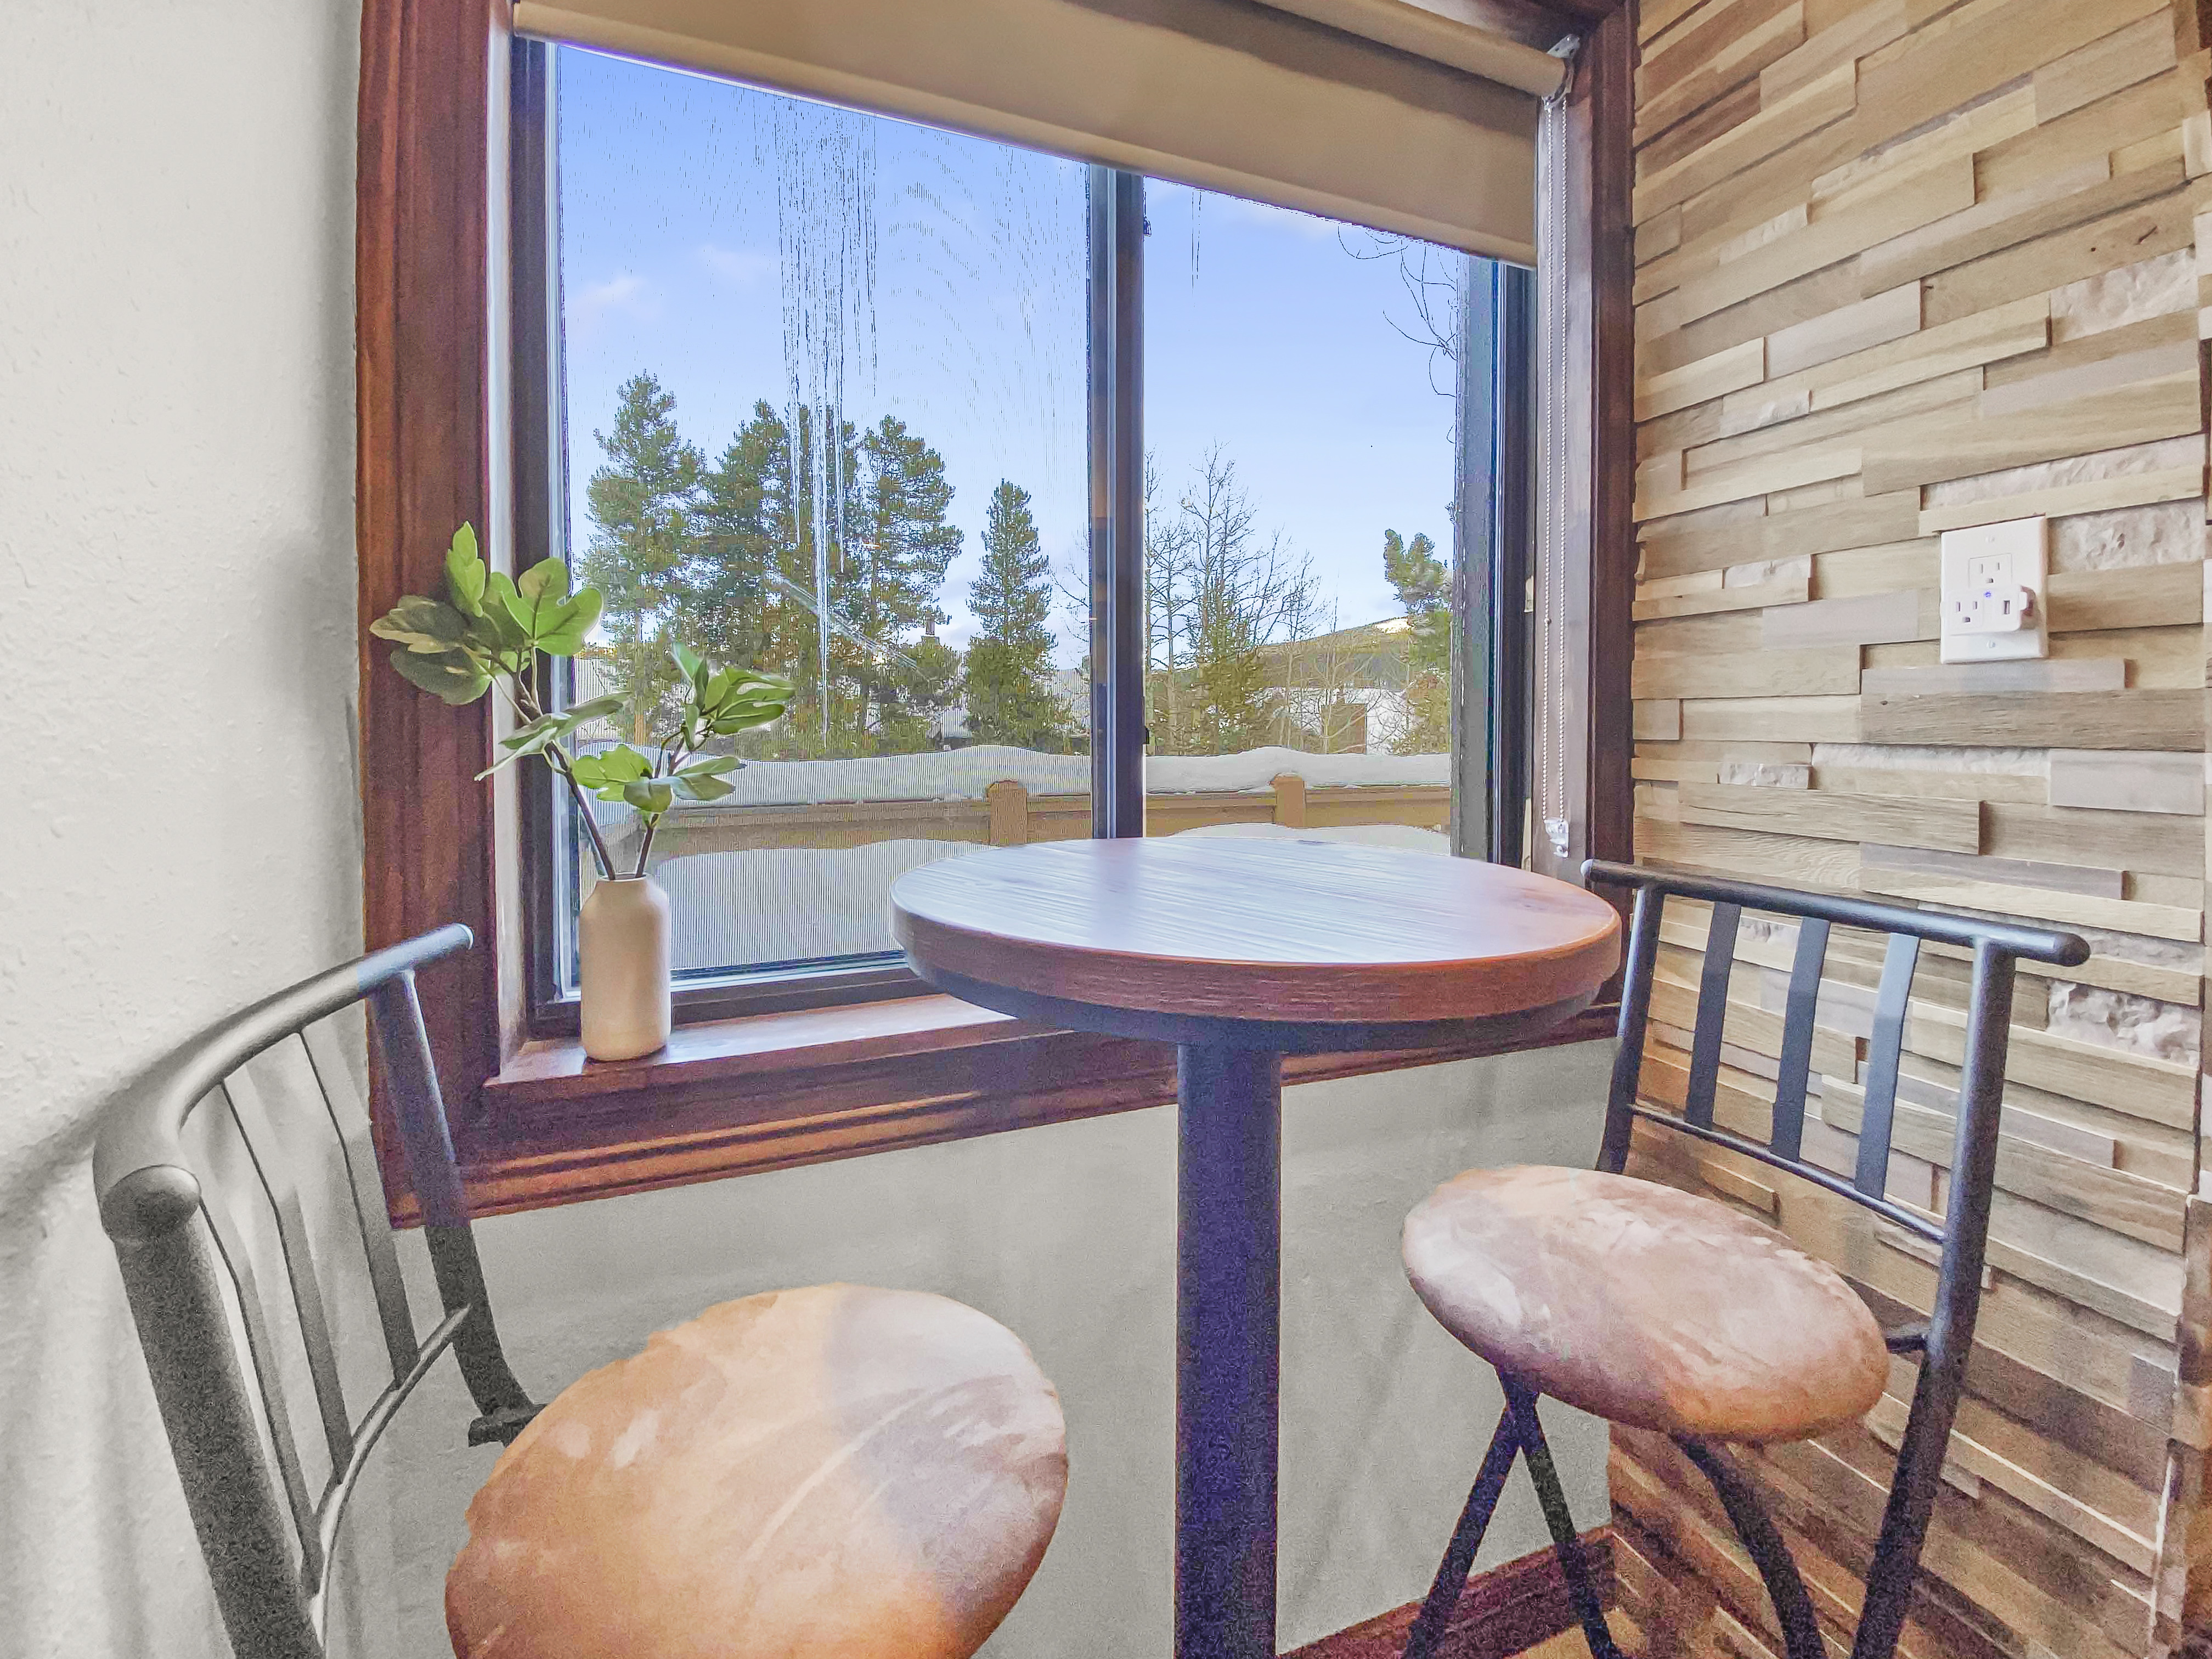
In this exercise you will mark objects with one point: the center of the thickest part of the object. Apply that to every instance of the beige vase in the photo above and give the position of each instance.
(621, 938)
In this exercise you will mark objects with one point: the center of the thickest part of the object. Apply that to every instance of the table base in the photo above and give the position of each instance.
(1228, 1328)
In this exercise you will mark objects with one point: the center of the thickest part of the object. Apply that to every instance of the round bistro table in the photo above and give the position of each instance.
(1239, 952)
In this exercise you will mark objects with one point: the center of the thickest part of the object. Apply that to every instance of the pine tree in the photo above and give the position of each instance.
(1420, 579)
(754, 593)
(741, 527)
(887, 598)
(1423, 584)
(641, 503)
(1008, 682)
(926, 681)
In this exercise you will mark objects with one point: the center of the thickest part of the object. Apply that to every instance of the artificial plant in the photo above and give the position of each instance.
(491, 629)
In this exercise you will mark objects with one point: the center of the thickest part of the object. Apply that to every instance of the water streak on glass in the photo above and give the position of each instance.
(826, 174)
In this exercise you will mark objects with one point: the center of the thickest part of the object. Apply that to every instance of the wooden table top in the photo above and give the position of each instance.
(1221, 927)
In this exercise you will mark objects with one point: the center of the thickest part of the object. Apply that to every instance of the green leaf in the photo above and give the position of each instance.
(611, 769)
(529, 739)
(744, 717)
(454, 676)
(562, 630)
(741, 703)
(624, 761)
(532, 739)
(464, 573)
(548, 729)
(711, 766)
(546, 580)
(688, 661)
(695, 786)
(496, 634)
(429, 626)
(540, 598)
(651, 796)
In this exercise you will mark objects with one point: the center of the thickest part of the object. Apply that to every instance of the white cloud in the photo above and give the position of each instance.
(739, 265)
(625, 293)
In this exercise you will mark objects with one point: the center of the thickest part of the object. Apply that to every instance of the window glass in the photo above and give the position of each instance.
(824, 388)
(823, 391)
(1301, 472)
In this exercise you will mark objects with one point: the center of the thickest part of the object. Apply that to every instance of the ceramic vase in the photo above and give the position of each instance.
(622, 937)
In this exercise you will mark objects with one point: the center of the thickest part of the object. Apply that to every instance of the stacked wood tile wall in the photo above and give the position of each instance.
(1905, 266)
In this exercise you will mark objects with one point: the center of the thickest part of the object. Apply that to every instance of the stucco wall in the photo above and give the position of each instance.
(176, 557)
(176, 628)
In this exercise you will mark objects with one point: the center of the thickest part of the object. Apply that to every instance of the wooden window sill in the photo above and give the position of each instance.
(732, 1097)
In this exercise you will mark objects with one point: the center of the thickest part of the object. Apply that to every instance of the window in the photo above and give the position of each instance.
(826, 392)
(533, 1124)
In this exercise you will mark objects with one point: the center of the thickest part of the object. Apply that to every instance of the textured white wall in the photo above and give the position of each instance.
(176, 551)
(176, 628)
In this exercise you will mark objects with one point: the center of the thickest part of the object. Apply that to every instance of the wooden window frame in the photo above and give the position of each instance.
(533, 1124)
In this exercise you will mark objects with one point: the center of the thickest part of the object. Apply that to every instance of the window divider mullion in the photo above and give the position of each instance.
(1513, 539)
(1115, 387)
(539, 443)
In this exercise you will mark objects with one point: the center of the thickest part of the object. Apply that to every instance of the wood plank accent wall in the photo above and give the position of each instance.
(1905, 266)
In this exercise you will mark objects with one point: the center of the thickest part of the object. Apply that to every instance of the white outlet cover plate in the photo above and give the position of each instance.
(2022, 544)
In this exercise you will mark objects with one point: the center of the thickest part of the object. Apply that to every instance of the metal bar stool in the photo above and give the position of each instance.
(1653, 1307)
(833, 1470)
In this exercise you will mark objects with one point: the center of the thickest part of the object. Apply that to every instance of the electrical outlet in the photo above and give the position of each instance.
(1994, 578)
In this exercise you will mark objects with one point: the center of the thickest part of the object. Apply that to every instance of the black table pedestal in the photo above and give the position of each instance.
(1228, 1293)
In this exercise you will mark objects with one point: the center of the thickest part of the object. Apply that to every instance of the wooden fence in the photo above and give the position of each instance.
(1009, 815)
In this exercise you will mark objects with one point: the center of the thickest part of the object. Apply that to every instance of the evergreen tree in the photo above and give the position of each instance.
(886, 545)
(1421, 580)
(722, 557)
(1423, 584)
(640, 501)
(926, 681)
(887, 597)
(742, 524)
(1008, 682)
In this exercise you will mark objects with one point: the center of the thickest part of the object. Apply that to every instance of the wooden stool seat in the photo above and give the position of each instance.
(868, 1473)
(1643, 1304)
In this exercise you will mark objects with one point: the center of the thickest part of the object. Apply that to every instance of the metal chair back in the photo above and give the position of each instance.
(1961, 1233)
(268, 1541)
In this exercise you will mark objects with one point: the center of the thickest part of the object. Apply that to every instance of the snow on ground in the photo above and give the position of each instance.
(785, 904)
(965, 774)
(1405, 837)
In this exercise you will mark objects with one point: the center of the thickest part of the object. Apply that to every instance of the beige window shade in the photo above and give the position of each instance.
(1384, 113)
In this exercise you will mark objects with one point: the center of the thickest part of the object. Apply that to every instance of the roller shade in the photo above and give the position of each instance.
(1384, 113)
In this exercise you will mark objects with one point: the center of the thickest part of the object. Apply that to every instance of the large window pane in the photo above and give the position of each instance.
(1300, 476)
(825, 387)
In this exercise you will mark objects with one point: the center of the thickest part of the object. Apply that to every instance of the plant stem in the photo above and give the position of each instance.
(524, 699)
(599, 849)
(670, 754)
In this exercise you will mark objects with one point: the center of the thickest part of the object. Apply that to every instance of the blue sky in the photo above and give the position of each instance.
(1263, 332)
